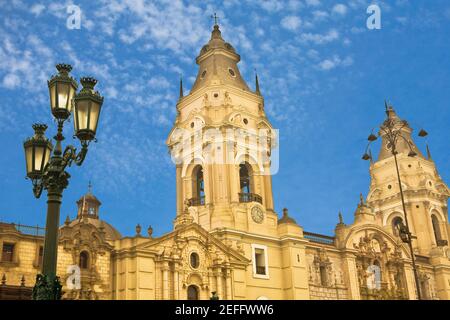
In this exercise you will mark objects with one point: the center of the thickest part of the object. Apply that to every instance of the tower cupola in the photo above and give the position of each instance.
(88, 205)
(217, 63)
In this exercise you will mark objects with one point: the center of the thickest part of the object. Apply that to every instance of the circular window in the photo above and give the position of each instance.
(216, 95)
(192, 124)
(389, 186)
(232, 73)
(194, 260)
(203, 74)
(245, 121)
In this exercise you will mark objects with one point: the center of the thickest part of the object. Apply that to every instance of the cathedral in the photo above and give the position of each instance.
(227, 240)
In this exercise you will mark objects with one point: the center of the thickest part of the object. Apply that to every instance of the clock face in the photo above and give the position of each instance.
(257, 214)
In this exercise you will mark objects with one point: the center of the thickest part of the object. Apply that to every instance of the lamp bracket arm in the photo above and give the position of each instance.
(70, 155)
(37, 188)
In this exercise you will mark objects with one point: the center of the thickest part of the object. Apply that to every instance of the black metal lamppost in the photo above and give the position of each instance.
(46, 170)
(391, 129)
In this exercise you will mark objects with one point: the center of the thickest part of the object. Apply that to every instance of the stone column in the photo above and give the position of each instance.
(179, 189)
(268, 189)
(262, 187)
(234, 183)
(410, 282)
(228, 285)
(165, 281)
(351, 275)
(212, 286)
(219, 283)
(208, 180)
(176, 285)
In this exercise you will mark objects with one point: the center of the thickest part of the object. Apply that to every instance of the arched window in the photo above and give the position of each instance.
(192, 293)
(244, 177)
(436, 229)
(195, 260)
(198, 188)
(396, 223)
(84, 260)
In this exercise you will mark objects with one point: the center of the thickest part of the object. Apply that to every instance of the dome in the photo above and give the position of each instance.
(110, 232)
(286, 218)
(217, 62)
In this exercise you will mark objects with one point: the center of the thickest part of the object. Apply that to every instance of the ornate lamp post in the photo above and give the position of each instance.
(47, 170)
(391, 129)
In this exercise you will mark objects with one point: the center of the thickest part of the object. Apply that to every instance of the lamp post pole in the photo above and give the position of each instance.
(47, 170)
(407, 231)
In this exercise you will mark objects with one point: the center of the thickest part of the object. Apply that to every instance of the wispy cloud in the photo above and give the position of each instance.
(340, 9)
(291, 23)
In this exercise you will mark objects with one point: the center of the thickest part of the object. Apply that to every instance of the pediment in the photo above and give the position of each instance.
(372, 239)
(190, 237)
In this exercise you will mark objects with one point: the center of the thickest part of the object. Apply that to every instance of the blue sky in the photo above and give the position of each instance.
(323, 74)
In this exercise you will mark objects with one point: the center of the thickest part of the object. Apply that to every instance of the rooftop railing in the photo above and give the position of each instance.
(318, 238)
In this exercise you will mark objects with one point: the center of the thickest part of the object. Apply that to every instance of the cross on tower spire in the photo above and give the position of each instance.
(216, 19)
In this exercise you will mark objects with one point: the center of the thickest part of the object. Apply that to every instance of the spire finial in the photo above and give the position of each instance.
(257, 83)
(428, 153)
(216, 19)
(361, 199)
(138, 230)
(389, 109)
(90, 187)
(341, 219)
(216, 34)
(181, 86)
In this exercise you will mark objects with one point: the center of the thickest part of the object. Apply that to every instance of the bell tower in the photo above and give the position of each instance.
(221, 143)
(425, 193)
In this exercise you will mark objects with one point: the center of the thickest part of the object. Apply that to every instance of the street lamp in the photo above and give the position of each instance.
(391, 129)
(46, 170)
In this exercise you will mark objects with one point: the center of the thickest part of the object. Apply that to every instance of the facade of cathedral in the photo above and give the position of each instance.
(227, 239)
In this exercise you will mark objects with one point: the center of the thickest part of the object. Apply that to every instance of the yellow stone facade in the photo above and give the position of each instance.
(228, 239)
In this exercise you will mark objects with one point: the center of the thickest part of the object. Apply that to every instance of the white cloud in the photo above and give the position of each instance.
(159, 82)
(37, 9)
(271, 5)
(291, 23)
(11, 81)
(340, 9)
(318, 38)
(313, 3)
(327, 64)
(335, 62)
(320, 14)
